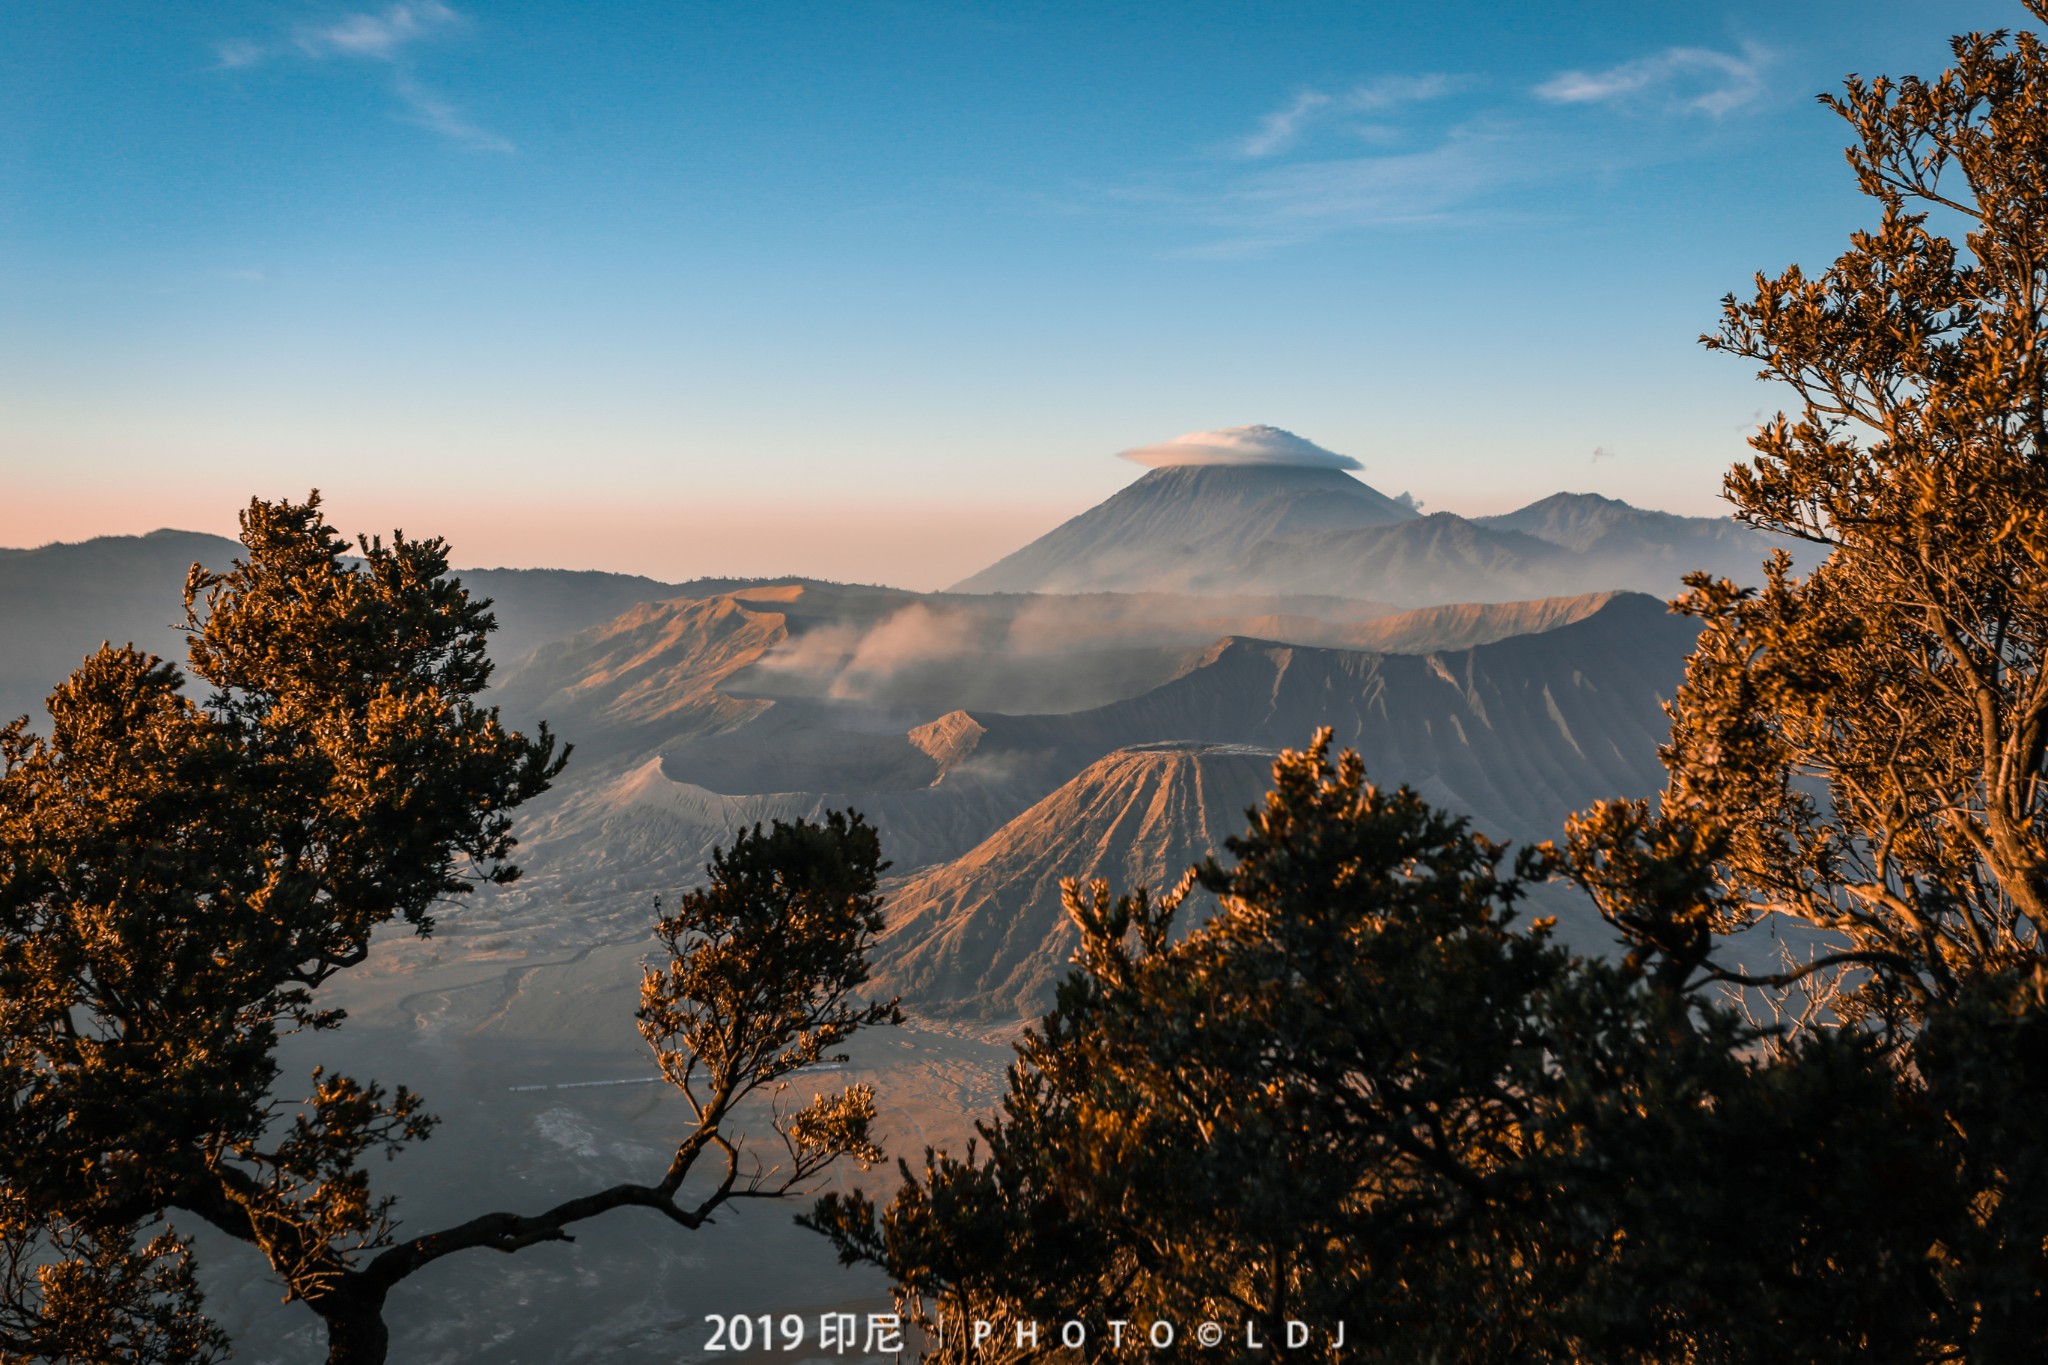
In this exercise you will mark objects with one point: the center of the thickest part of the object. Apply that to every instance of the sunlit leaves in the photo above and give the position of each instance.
(175, 879)
(764, 962)
(1869, 743)
(83, 1296)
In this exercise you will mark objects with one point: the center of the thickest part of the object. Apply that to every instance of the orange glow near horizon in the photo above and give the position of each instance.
(912, 544)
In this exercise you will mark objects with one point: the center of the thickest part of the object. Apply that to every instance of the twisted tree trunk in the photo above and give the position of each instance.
(354, 1314)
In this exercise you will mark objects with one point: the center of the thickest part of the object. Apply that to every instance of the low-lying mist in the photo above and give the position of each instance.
(1052, 653)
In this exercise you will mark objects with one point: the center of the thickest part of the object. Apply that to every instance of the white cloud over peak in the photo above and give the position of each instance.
(1691, 79)
(1254, 445)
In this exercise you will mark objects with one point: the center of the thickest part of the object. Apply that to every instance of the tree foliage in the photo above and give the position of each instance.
(1864, 748)
(75, 1295)
(1287, 1114)
(177, 880)
(777, 944)
(1364, 1094)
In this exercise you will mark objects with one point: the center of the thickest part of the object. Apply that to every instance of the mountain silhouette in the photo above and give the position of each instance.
(59, 601)
(1284, 530)
(1151, 534)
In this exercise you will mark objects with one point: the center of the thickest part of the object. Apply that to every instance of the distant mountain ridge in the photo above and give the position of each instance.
(700, 712)
(1254, 529)
(1590, 524)
(58, 602)
(1516, 733)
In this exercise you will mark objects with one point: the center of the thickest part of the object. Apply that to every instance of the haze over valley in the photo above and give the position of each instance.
(1103, 702)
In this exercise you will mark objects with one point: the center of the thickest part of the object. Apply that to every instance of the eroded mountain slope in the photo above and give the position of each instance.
(985, 935)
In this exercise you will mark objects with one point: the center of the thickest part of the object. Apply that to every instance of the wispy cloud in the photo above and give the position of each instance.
(1387, 92)
(1284, 127)
(431, 111)
(1279, 129)
(239, 53)
(1690, 79)
(1331, 161)
(381, 36)
(1255, 211)
(384, 36)
(1367, 191)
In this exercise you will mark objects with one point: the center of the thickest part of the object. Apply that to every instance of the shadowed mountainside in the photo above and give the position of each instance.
(679, 747)
(984, 812)
(1517, 733)
(59, 602)
(1457, 626)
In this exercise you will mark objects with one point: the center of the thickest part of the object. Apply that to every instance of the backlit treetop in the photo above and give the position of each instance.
(1864, 748)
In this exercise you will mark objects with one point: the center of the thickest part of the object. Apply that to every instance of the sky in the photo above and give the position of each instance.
(876, 290)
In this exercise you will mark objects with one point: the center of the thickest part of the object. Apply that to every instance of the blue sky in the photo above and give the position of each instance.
(875, 290)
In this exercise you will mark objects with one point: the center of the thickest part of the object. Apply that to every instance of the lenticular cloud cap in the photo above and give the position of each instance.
(1259, 445)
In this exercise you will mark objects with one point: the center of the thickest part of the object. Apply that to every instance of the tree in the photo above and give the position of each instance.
(1322, 1105)
(177, 880)
(1863, 749)
(1364, 1094)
